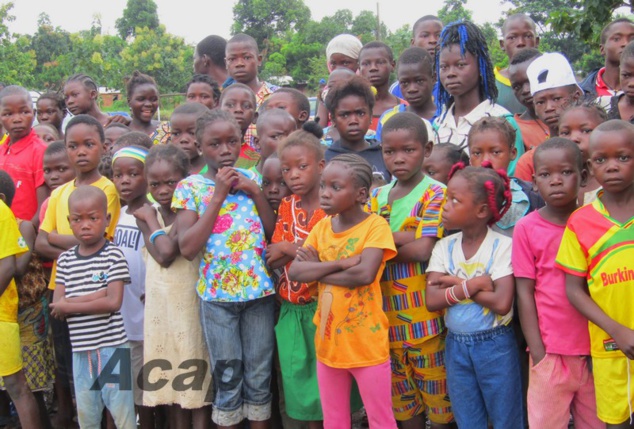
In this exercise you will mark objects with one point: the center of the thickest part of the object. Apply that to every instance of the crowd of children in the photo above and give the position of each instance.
(452, 251)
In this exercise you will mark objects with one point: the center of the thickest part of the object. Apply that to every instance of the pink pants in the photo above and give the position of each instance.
(374, 385)
(557, 387)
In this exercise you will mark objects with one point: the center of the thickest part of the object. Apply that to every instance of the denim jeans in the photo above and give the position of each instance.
(483, 379)
(240, 338)
(92, 392)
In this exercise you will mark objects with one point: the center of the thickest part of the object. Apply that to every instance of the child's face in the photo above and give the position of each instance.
(242, 61)
(338, 60)
(427, 35)
(183, 130)
(273, 185)
(272, 133)
(241, 104)
(612, 160)
(129, 178)
(416, 83)
(550, 102)
(627, 77)
(17, 116)
(84, 147)
(521, 85)
(490, 145)
(577, 125)
(376, 66)
(404, 154)
(557, 176)
(458, 75)
(220, 144)
(57, 170)
(79, 99)
(144, 102)
(285, 101)
(46, 133)
(112, 135)
(200, 92)
(301, 169)
(352, 118)
(437, 166)
(617, 39)
(519, 33)
(48, 112)
(88, 220)
(339, 191)
(162, 179)
(460, 204)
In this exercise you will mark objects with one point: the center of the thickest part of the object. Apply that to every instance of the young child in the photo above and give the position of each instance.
(555, 331)
(240, 101)
(553, 87)
(143, 99)
(346, 253)
(273, 185)
(350, 103)
(21, 155)
(519, 32)
(224, 214)
(465, 90)
(46, 132)
(376, 63)
(443, 157)
(470, 275)
(133, 138)
(128, 174)
(331, 134)
(51, 109)
(112, 132)
(11, 365)
(622, 105)
(415, 76)
(272, 127)
(293, 101)
(204, 90)
(183, 131)
(412, 205)
(57, 170)
(595, 255)
(81, 94)
(89, 291)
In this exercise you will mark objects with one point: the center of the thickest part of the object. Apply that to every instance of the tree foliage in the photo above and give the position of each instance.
(137, 14)
(454, 10)
(17, 60)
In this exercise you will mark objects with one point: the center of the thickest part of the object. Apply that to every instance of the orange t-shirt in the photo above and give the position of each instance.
(352, 329)
(534, 131)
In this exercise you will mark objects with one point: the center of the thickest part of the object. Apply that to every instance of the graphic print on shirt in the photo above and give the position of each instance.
(127, 237)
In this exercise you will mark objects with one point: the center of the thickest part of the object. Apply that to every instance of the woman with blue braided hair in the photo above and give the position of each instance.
(465, 90)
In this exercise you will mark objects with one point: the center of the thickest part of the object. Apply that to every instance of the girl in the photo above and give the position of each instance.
(443, 157)
(346, 253)
(51, 109)
(143, 99)
(81, 94)
(465, 90)
(239, 100)
(172, 328)
(224, 214)
(46, 132)
(204, 90)
(470, 275)
(576, 123)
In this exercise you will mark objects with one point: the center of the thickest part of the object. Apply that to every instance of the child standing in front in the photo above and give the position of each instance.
(470, 274)
(346, 253)
(596, 255)
(225, 214)
(89, 291)
(560, 380)
(412, 206)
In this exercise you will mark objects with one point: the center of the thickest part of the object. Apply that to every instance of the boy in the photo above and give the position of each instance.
(412, 206)
(183, 131)
(293, 101)
(272, 127)
(555, 331)
(21, 156)
(415, 75)
(596, 255)
(350, 103)
(209, 59)
(57, 170)
(622, 104)
(553, 86)
(376, 63)
(518, 32)
(11, 245)
(89, 292)
(240, 101)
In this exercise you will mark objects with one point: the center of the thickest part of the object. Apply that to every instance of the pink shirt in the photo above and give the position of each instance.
(535, 244)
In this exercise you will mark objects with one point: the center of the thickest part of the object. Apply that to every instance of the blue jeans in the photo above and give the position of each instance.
(97, 383)
(483, 379)
(240, 337)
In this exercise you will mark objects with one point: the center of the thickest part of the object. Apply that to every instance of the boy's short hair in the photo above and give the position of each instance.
(563, 144)
(416, 55)
(518, 16)
(267, 115)
(606, 29)
(407, 121)
(16, 90)
(54, 148)
(214, 47)
(87, 192)
(204, 78)
(550, 70)
(378, 45)
(190, 109)
(303, 104)
(497, 123)
(628, 51)
(612, 126)
(86, 120)
(117, 125)
(244, 38)
(524, 55)
(234, 86)
(56, 98)
(357, 86)
(7, 187)
(425, 18)
(134, 138)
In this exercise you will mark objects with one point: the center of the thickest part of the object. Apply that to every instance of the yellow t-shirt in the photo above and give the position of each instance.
(11, 244)
(352, 329)
(56, 218)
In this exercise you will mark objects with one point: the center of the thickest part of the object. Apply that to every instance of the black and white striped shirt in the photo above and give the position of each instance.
(81, 275)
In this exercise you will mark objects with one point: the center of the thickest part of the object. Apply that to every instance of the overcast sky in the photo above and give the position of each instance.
(195, 19)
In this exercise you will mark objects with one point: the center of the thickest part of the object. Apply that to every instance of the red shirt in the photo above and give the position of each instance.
(601, 87)
(24, 161)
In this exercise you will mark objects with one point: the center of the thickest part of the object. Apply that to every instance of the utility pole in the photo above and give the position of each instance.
(378, 23)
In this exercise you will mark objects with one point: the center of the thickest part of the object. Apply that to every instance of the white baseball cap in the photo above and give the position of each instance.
(551, 70)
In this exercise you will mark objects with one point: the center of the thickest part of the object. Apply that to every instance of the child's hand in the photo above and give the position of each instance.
(275, 252)
(448, 281)
(624, 338)
(246, 185)
(484, 283)
(225, 179)
(145, 212)
(308, 254)
(120, 119)
(350, 262)
(58, 309)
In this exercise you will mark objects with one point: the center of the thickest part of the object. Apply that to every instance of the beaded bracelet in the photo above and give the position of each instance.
(156, 234)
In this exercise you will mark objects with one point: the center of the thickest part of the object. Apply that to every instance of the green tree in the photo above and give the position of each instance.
(48, 43)
(364, 26)
(454, 10)
(585, 18)
(17, 60)
(137, 14)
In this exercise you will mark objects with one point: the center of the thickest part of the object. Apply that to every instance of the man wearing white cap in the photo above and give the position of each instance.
(553, 87)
